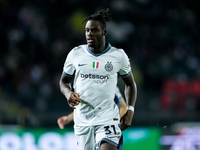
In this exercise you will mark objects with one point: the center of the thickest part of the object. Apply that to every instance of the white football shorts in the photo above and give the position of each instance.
(90, 137)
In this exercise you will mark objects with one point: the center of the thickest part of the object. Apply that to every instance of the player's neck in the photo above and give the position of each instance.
(98, 49)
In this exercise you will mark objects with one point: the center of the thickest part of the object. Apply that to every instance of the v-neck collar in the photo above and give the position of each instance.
(96, 55)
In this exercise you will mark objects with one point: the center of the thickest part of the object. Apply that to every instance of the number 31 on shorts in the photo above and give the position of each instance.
(110, 129)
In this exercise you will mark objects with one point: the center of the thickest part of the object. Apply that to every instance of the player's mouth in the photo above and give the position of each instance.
(90, 40)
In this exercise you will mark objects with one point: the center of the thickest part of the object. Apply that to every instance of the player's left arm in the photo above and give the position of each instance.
(130, 95)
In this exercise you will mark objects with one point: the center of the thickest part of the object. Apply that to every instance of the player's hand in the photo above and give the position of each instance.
(126, 120)
(73, 100)
(62, 121)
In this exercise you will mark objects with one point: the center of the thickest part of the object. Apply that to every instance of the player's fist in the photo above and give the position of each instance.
(126, 120)
(73, 100)
(62, 121)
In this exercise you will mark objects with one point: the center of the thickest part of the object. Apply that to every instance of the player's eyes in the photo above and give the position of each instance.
(92, 30)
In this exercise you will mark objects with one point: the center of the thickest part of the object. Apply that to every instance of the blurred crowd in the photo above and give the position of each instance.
(161, 39)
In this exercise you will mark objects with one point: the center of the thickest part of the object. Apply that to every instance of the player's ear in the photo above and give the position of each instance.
(105, 31)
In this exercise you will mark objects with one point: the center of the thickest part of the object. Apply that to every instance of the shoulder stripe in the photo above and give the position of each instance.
(123, 76)
(68, 74)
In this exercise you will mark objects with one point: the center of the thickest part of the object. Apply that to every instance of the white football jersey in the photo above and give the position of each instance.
(118, 93)
(95, 80)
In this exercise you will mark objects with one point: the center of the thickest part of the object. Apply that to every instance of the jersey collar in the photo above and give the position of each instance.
(107, 49)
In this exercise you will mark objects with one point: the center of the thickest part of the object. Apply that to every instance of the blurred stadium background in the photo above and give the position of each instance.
(162, 40)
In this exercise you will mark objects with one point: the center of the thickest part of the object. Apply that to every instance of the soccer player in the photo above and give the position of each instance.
(64, 120)
(94, 69)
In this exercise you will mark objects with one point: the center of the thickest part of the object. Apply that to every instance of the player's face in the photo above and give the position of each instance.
(94, 33)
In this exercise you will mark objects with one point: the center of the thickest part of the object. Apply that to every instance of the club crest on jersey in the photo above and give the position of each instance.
(95, 65)
(108, 67)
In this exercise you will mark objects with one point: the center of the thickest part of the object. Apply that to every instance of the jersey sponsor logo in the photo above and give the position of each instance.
(108, 67)
(95, 65)
(94, 76)
(101, 81)
(82, 64)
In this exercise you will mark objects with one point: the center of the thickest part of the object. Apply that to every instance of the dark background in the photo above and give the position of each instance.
(161, 39)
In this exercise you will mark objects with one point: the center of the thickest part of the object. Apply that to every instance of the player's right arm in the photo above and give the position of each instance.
(62, 121)
(72, 98)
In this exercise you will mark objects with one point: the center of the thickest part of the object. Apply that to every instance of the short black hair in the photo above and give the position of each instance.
(103, 16)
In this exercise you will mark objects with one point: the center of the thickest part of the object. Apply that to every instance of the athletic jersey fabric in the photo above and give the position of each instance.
(118, 93)
(95, 80)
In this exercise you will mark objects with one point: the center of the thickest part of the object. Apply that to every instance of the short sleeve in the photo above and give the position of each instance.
(125, 68)
(69, 68)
